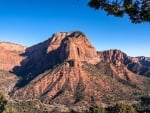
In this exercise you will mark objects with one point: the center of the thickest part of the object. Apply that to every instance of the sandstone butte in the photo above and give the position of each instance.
(66, 69)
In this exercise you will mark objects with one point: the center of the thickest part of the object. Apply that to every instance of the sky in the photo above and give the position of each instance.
(28, 22)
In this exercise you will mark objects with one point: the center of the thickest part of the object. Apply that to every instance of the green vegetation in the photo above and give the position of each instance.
(121, 90)
(37, 107)
(117, 108)
(121, 108)
(97, 109)
(101, 69)
(28, 107)
(3, 102)
(10, 110)
(137, 10)
(144, 106)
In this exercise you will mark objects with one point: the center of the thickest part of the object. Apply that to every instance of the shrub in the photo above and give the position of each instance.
(121, 108)
(10, 110)
(3, 102)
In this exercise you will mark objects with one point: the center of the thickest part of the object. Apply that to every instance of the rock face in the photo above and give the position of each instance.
(73, 46)
(10, 56)
(7, 82)
(117, 59)
(80, 85)
(11, 47)
(139, 65)
(77, 47)
(66, 69)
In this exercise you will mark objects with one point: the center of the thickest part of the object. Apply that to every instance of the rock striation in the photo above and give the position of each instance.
(67, 70)
(10, 55)
(139, 65)
(64, 46)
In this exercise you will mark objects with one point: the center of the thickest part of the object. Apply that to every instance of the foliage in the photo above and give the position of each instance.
(3, 102)
(27, 107)
(144, 106)
(97, 109)
(145, 100)
(121, 108)
(10, 110)
(137, 10)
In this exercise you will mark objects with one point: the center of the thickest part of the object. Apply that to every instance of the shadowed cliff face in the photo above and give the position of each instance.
(66, 69)
(59, 48)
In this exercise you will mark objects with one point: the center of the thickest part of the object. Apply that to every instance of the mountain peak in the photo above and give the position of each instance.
(59, 36)
(67, 70)
(73, 46)
(70, 33)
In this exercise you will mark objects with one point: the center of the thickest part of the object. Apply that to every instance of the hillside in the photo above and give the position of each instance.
(66, 70)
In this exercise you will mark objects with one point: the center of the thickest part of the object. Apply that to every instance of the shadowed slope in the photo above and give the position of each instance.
(67, 70)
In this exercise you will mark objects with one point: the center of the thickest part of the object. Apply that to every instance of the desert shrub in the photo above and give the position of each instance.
(121, 108)
(99, 110)
(3, 102)
(96, 109)
(10, 110)
(145, 100)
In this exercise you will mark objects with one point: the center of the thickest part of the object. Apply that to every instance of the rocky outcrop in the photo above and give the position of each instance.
(64, 46)
(116, 57)
(138, 65)
(80, 85)
(116, 60)
(67, 70)
(7, 82)
(77, 47)
(10, 56)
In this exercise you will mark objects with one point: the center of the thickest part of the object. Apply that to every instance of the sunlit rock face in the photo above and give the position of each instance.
(60, 47)
(66, 70)
(138, 65)
(76, 46)
(10, 55)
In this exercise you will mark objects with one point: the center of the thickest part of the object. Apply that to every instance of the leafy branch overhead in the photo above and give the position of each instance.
(137, 10)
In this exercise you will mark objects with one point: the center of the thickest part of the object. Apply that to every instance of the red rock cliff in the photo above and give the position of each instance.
(10, 56)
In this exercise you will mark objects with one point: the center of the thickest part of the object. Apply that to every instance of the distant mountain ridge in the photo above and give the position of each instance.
(66, 69)
(10, 55)
(12, 47)
(138, 65)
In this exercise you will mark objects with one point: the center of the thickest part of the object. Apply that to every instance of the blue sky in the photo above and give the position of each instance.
(28, 22)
